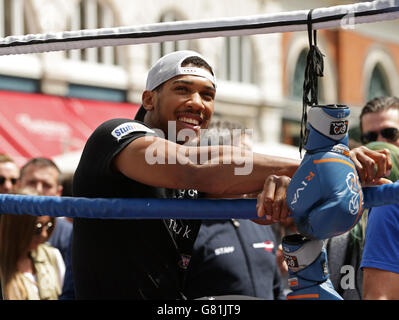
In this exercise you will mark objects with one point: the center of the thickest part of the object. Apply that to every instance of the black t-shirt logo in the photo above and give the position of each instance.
(179, 228)
(187, 194)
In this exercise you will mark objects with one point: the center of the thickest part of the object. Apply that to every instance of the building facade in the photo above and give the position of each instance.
(259, 77)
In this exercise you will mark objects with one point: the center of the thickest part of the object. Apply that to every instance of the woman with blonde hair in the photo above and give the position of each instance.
(30, 269)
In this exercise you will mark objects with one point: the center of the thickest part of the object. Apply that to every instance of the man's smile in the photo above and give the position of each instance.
(190, 119)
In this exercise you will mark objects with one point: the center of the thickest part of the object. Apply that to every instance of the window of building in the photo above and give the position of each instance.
(13, 18)
(378, 84)
(299, 76)
(157, 50)
(93, 14)
(14, 22)
(12, 83)
(238, 60)
(96, 93)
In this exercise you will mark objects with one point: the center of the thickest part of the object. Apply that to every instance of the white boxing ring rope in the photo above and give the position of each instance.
(322, 18)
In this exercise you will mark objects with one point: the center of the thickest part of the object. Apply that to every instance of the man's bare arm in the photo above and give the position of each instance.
(380, 284)
(185, 167)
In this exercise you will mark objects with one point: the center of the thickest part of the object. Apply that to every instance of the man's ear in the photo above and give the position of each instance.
(147, 99)
(59, 190)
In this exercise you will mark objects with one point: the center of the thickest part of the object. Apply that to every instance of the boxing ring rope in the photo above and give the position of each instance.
(322, 18)
(121, 208)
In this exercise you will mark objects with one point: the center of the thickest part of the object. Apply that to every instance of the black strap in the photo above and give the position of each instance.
(314, 69)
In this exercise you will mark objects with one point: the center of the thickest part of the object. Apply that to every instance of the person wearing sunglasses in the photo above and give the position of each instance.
(44, 176)
(30, 268)
(380, 258)
(9, 174)
(379, 124)
(379, 120)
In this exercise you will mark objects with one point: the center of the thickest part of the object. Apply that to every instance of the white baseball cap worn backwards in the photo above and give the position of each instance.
(169, 66)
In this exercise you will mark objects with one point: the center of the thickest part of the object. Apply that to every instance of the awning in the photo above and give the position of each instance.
(37, 125)
(92, 113)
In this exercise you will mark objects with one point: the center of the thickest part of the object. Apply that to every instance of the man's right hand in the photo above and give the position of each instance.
(271, 204)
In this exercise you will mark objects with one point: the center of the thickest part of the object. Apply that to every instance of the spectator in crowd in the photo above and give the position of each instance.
(9, 174)
(344, 256)
(68, 291)
(233, 257)
(380, 259)
(43, 175)
(30, 269)
(379, 121)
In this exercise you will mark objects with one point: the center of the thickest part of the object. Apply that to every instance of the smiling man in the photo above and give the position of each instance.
(197, 83)
(148, 259)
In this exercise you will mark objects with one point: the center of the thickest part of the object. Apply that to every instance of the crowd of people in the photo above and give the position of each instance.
(33, 249)
(46, 258)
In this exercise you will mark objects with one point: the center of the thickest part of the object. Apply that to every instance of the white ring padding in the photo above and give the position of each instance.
(322, 18)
